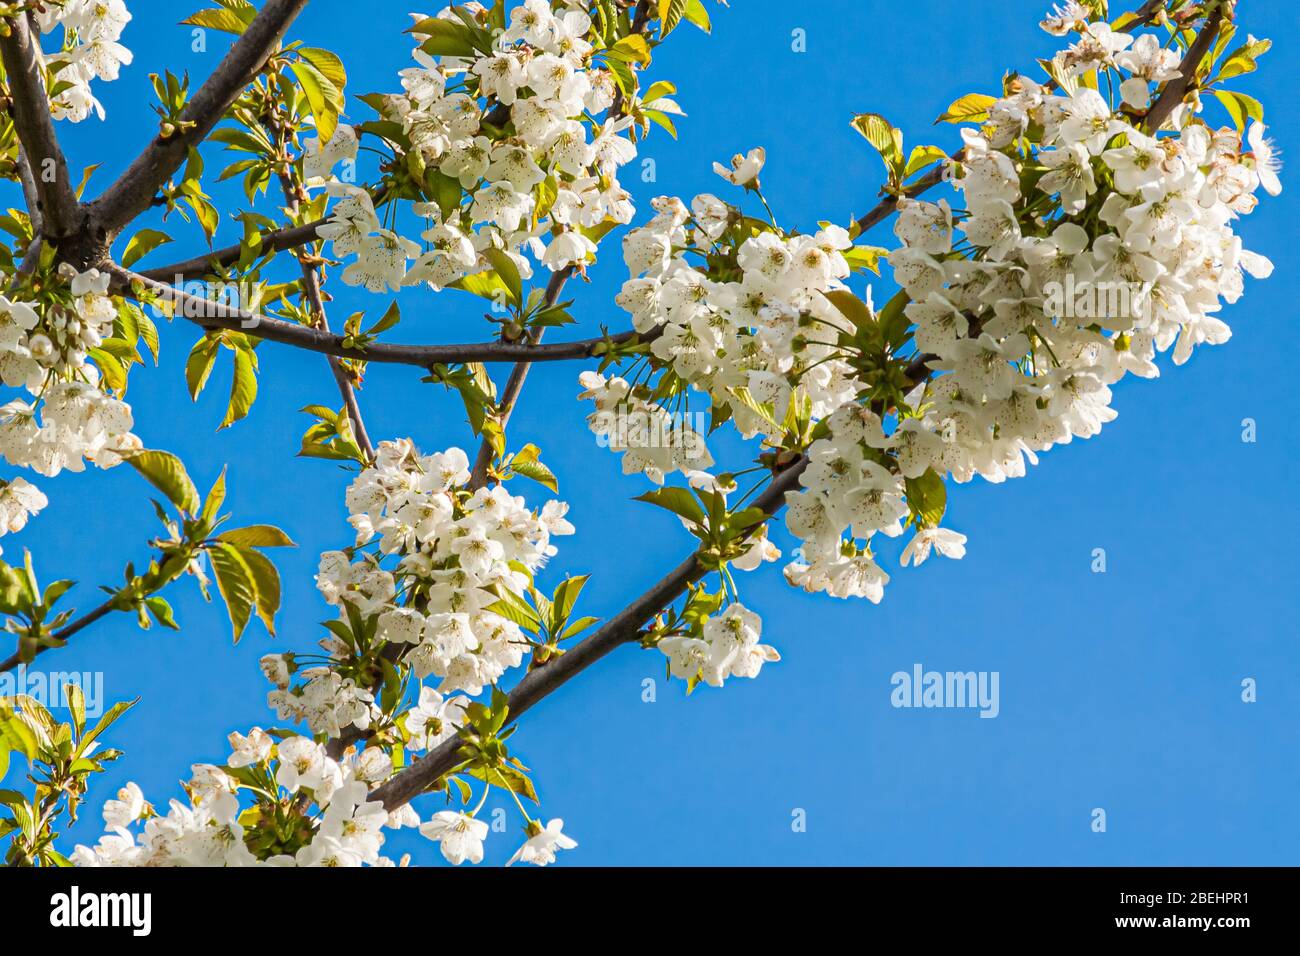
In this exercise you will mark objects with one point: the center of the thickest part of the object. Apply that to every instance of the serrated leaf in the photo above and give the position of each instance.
(671, 13)
(227, 21)
(243, 388)
(257, 536)
(971, 108)
(199, 365)
(677, 500)
(143, 243)
(536, 471)
(236, 584)
(266, 581)
(165, 472)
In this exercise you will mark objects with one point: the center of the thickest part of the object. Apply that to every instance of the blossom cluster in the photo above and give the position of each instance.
(439, 557)
(755, 343)
(1090, 246)
(517, 129)
(309, 810)
(209, 828)
(729, 647)
(89, 50)
(44, 348)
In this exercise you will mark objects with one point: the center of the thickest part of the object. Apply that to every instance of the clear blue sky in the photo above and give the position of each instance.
(1118, 690)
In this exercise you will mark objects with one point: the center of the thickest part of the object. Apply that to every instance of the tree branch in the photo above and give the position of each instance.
(56, 207)
(621, 629)
(311, 289)
(209, 314)
(135, 189)
(79, 624)
(1171, 95)
(515, 383)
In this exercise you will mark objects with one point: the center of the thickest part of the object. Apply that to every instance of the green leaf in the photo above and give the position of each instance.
(671, 13)
(513, 608)
(535, 470)
(257, 536)
(851, 307)
(697, 15)
(326, 63)
(971, 108)
(577, 627)
(212, 503)
(76, 699)
(322, 97)
(266, 581)
(162, 612)
(920, 157)
(227, 21)
(199, 365)
(881, 134)
(927, 498)
(143, 243)
(1241, 107)
(19, 736)
(243, 388)
(165, 472)
(677, 500)
(110, 717)
(236, 584)
(508, 272)
(444, 37)
(508, 778)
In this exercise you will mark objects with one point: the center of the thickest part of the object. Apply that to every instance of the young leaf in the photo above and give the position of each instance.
(236, 584)
(257, 536)
(165, 472)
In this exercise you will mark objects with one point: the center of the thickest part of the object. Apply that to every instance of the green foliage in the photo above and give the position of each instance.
(60, 761)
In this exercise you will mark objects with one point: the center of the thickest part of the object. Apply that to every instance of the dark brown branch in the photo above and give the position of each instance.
(209, 314)
(57, 207)
(1172, 93)
(134, 190)
(621, 629)
(210, 264)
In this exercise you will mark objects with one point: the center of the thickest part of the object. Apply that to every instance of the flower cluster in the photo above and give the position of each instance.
(89, 50)
(211, 828)
(750, 326)
(44, 348)
(516, 130)
(430, 561)
(1087, 246)
(729, 647)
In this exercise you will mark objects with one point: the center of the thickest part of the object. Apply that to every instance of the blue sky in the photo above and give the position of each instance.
(1119, 690)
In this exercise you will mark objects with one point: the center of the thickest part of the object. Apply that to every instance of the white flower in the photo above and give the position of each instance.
(126, 809)
(250, 750)
(744, 169)
(458, 835)
(947, 542)
(1267, 161)
(541, 846)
